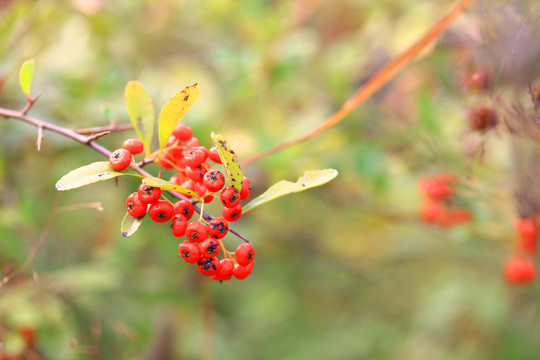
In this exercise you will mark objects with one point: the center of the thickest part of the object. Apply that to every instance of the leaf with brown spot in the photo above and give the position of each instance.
(309, 180)
(173, 112)
(167, 185)
(229, 161)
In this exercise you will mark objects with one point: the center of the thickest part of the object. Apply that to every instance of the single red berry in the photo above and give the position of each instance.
(241, 272)
(120, 159)
(527, 235)
(135, 206)
(214, 180)
(214, 155)
(195, 156)
(148, 194)
(209, 248)
(196, 231)
(193, 142)
(225, 272)
(184, 208)
(189, 251)
(230, 197)
(134, 146)
(208, 199)
(179, 224)
(246, 189)
(218, 228)
(232, 214)
(435, 188)
(183, 132)
(244, 254)
(195, 173)
(519, 270)
(209, 266)
(177, 179)
(161, 211)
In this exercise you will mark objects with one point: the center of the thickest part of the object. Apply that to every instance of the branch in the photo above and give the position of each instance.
(378, 80)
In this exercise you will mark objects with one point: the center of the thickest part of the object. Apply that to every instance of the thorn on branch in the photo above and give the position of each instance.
(39, 137)
(30, 103)
(97, 136)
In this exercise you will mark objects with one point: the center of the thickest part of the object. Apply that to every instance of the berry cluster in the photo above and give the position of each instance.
(193, 164)
(437, 207)
(520, 268)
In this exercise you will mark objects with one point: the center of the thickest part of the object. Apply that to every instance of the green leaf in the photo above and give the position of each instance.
(130, 225)
(167, 185)
(89, 174)
(174, 110)
(141, 112)
(229, 161)
(25, 76)
(109, 114)
(309, 180)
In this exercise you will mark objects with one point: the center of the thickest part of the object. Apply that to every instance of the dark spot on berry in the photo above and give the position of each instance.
(148, 190)
(161, 215)
(185, 254)
(212, 249)
(250, 256)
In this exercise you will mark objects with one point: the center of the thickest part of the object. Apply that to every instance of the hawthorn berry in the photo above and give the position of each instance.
(244, 254)
(177, 179)
(435, 188)
(120, 159)
(195, 173)
(189, 251)
(209, 266)
(225, 272)
(134, 146)
(196, 231)
(519, 270)
(135, 206)
(192, 142)
(179, 224)
(161, 211)
(527, 235)
(195, 156)
(208, 199)
(214, 155)
(241, 272)
(230, 197)
(214, 180)
(148, 194)
(167, 160)
(209, 248)
(232, 214)
(246, 189)
(185, 208)
(218, 228)
(183, 132)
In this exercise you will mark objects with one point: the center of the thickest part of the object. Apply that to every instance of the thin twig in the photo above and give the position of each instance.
(378, 80)
(110, 128)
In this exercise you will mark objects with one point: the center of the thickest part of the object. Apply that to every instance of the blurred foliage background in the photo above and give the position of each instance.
(344, 271)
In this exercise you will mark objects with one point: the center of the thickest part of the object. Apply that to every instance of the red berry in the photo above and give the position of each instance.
(244, 254)
(230, 197)
(241, 272)
(195, 173)
(435, 188)
(225, 272)
(185, 208)
(195, 156)
(214, 180)
(148, 194)
(135, 206)
(189, 251)
(134, 146)
(519, 270)
(214, 155)
(196, 231)
(209, 266)
(246, 189)
(208, 199)
(161, 211)
(209, 248)
(527, 235)
(177, 179)
(183, 132)
(120, 159)
(179, 224)
(232, 214)
(192, 142)
(218, 228)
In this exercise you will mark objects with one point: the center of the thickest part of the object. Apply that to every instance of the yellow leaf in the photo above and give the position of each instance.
(229, 161)
(167, 185)
(141, 112)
